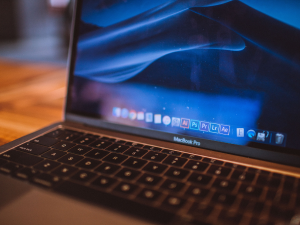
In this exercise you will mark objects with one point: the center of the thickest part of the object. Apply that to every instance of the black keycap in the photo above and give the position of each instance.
(175, 161)
(100, 144)
(64, 171)
(155, 156)
(200, 179)
(107, 168)
(128, 174)
(53, 154)
(83, 176)
(219, 171)
(134, 162)
(171, 152)
(21, 158)
(173, 202)
(243, 176)
(2, 162)
(44, 140)
(149, 195)
(136, 152)
(136, 145)
(222, 198)
(256, 207)
(262, 180)
(69, 136)
(97, 154)
(33, 148)
(117, 148)
(177, 173)
(80, 149)
(200, 210)
(121, 142)
(126, 188)
(63, 145)
(155, 167)
(213, 161)
(55, 133)
(284, 198)
(172, 185)
(92, 136)
(85, 140)
(289, 183)
(249, 190)
(105, 138)
(10, 167)
(196, 165)
(153, 148)
(274, 182)
(47, 165)
(255, 170)
(230, 217)
(283, 213)
(46, 180)
(88, 163)
(235, 166)
(115, 158)
(70, 159)
(196, 191)
(149, 179)
(104, 181)
(190, 156)
(224, 185)
(26, 173)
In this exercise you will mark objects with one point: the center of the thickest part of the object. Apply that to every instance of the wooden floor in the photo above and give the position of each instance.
(31, 97)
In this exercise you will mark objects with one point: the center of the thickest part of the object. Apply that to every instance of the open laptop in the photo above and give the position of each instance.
(178, 112)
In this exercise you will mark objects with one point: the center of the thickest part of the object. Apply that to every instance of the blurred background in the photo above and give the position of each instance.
(35, 30)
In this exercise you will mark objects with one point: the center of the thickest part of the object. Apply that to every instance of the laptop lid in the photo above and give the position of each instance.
(215, 74)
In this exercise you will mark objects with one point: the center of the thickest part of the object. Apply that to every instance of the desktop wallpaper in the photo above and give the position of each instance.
(217, 69)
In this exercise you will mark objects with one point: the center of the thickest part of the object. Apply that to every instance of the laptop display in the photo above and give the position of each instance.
(226, 71)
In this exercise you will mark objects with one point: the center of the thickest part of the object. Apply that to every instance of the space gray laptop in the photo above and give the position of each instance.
(177, 112)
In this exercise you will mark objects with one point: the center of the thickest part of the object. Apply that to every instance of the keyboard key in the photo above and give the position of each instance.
(134, 163)
(126, 188)
(136, 152)
(213, 161)
(224, 185)
(21, 158)
(230, 217)
(83, 176)
(53, 154)
(33, 148)
(136, 145)
(47, 165)
(250, 190)
(256, 207)
(175, 161)
(94, 136)
(235, 166)
(104, 181)
(26, 173)
(88, 163)
(172, 185)
(149, 195)
(225, 199)
(190, 156)
(149, 179)
(196, 165)
(281, 213)
(171, 152)
(128, 174)
(289, 183)
(200, 210)
(173, 202)
(80, 149)
(121, 142)
(196, 191)
(55, 133)
(107, 168)
(97, 154)
(117, 148)
(100, 144)
(158, 157)
(69, 136)
(177, 173)
(63, 145)
(44, 140)
(200, 179)
(85, 140)
(255, 170)
(46, 180)
(2, 162)
(155, 168)
(219, 171)
(64, 171)
(10, 167)
(153, 148)
(243, 176)
(70, 159)
(115, 158)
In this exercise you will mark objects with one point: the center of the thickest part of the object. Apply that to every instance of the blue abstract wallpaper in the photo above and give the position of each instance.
(232, 62)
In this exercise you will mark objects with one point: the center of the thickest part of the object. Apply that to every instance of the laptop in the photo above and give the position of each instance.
(177, 112)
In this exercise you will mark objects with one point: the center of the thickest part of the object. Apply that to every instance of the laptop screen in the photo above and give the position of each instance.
(220, 70)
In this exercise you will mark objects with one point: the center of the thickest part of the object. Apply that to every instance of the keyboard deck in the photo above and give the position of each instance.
(154, 182)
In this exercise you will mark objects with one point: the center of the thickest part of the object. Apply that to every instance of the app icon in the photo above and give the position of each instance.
(149, 117)
(251, 134)
(214, 128)
(166, 120)
(279, 138)
(185, 123)
(116, 112)
(240, 132)
(132, 114)
(175, 122)
(261, 136)
(194, 125)
(140, 116)
(157, 118)
(204, 126)
(224, 129)
(124, 113)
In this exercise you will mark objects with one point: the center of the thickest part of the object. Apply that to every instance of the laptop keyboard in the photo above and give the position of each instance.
(154, 182)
